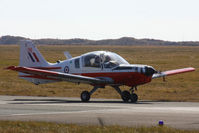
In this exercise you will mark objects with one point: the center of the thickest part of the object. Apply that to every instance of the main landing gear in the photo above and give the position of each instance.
(125, 95)
(85, 95)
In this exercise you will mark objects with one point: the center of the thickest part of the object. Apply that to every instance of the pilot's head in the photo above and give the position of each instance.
(97, 59)
(107, 59)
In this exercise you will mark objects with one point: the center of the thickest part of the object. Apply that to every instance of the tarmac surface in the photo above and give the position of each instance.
(182, 115)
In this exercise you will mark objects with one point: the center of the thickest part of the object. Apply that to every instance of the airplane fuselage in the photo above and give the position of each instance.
(128, 74)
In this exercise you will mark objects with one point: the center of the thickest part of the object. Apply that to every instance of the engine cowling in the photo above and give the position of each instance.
(149, 71)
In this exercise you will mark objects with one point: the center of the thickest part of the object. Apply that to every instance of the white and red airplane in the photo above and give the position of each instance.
(98, 68)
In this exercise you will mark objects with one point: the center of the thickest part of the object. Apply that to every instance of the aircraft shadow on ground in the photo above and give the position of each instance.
(58, 101)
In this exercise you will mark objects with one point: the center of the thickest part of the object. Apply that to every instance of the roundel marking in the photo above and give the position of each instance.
(66, 69)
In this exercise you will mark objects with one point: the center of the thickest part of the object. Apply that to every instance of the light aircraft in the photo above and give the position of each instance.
(98, 68)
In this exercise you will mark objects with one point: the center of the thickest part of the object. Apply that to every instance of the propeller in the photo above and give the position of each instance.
(160, 72)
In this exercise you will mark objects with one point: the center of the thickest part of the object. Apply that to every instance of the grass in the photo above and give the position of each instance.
(183, 87)
(47, 127)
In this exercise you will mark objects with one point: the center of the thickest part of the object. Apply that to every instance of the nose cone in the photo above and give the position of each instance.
(149, 71)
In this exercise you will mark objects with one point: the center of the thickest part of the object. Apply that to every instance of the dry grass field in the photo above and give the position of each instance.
(183, 87)
(47, 127)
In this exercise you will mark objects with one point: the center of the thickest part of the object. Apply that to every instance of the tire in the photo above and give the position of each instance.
(134, 98)
(85, 96)
(126, 96)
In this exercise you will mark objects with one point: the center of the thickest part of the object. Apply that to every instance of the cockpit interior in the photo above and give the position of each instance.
(102, 59)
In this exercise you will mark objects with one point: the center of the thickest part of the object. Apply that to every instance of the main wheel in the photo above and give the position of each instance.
(134, 98)
(85, 96)
(126, 96)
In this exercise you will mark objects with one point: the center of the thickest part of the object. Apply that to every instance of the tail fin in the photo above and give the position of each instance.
(30, 55)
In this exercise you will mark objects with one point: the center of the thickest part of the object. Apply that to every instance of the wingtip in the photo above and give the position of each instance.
(191, 68)
(10, 68)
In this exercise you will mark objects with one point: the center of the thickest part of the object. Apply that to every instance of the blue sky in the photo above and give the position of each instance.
(174, 20)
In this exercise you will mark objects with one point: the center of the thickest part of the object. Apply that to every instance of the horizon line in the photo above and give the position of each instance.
(99, 39)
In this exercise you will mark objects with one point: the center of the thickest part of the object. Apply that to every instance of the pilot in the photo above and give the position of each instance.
(95, 62)
(107, 59)
(108, 63)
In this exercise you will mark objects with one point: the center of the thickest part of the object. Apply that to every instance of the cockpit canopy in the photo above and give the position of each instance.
(102, 59)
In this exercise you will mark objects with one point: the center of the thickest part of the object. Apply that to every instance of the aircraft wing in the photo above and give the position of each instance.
(52, 75)
(172, 72)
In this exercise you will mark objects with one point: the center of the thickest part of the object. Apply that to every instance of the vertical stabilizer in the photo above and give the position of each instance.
(30, 55)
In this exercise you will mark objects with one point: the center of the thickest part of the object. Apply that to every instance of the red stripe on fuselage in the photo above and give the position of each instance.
(124, 78)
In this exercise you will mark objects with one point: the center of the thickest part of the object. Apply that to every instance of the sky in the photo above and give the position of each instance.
(170, 20)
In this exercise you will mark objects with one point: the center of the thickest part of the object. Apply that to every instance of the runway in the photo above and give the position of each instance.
(182, 115)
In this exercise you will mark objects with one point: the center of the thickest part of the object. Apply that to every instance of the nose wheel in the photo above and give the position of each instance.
(134, 98)
(126, 95)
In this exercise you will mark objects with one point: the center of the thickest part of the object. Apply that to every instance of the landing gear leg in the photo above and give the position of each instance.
(118, 89)
(133, 96)
(85, 95)
(125, 95)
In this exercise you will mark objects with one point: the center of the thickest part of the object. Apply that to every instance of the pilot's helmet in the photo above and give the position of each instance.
(97, 59)
(107, 59)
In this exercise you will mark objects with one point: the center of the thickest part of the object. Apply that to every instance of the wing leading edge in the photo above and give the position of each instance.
(52, 75)
(173, 72)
